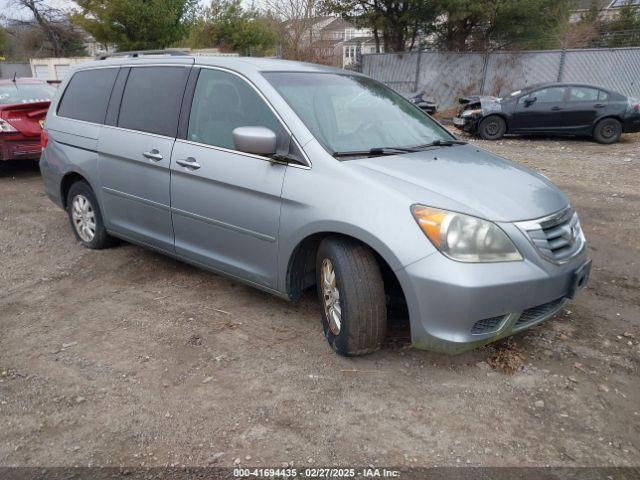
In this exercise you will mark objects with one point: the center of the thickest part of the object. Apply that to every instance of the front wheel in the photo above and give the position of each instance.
(351, 291)
(607, 131)
(492, 128)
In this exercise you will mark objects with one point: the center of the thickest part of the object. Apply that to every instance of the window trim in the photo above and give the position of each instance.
(188, 99)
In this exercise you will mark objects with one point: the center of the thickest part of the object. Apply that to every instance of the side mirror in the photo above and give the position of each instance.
(530, 101)
(256, 140)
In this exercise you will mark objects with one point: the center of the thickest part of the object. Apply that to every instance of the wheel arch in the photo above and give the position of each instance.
(502, 115)
(67, 180)
(301, 274)
(605, 117)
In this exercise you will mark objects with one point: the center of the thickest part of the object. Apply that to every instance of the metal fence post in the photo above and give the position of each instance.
(417, 78)
(485, 67)
(563, 54)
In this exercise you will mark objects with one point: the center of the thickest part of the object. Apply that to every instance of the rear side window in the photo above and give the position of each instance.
(151, 99)
(87, 95)
(583, 94)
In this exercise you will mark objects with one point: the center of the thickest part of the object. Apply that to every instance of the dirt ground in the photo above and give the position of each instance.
(126, 357)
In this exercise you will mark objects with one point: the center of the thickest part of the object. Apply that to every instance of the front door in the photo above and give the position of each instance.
(539, 111)
(226, 204)
(134, 155)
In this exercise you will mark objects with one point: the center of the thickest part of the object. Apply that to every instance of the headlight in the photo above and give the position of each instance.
(470, 113)
(465, 238)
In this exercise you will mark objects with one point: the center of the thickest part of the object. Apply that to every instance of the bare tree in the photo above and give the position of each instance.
(295, 20)
(53, 23)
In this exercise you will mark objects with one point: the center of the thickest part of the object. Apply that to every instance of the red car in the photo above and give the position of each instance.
(23, 105)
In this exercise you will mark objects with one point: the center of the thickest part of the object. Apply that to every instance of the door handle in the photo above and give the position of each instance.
(189, 162)
(154, 155)
(555, 109)
(599, 105)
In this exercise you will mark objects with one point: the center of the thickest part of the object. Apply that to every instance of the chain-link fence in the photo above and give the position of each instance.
(446, 75)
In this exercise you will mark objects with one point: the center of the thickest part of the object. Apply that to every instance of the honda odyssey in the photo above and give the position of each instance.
(288, 175)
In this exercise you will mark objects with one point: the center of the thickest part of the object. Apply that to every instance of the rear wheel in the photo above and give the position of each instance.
(607, 131)
(85, 217)
(492, 128)
(351, 291)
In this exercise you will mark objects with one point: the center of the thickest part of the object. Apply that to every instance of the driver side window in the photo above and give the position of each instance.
(223, 102)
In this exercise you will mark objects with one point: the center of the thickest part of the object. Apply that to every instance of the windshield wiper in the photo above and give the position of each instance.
(377, 152)
(380, 151)
(442, 143)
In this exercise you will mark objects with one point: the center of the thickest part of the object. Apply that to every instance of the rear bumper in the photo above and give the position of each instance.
(454, 307)
(631, 125)
(20, 149)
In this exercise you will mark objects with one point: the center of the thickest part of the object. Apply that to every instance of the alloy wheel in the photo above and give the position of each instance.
(331, 297)
(84, 218)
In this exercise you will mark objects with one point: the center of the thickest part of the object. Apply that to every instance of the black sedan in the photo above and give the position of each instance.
(551, 109)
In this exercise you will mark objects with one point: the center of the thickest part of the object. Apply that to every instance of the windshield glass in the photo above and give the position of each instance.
(26, 93)
(349, 113)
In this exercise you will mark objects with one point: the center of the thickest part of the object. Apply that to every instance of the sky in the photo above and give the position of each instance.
(10, 11)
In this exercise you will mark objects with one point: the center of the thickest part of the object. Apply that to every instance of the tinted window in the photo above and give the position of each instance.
(583, 94)
(87, 95)
(223, 102)
(603, 96)
(546, 95)
(151, 99)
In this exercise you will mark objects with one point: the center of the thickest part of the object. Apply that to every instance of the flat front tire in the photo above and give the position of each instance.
(85, 217)
(607, 130)
(352, 296)
(492, 128)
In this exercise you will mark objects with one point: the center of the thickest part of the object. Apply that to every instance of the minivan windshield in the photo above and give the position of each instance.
(26, 93)
(351, 113)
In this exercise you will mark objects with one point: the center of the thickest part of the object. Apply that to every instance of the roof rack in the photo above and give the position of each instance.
(142, 53)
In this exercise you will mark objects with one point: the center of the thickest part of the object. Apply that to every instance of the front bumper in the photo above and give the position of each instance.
(454, 307)
(466, 124)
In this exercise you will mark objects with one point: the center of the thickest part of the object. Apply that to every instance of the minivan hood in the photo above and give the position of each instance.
(470, 180)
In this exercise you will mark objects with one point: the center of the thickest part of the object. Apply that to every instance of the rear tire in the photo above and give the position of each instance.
(607, 131)
(352, 296)
(492, 128)
(85, 217)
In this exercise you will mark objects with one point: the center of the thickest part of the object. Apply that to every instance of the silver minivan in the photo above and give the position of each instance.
(287, 176)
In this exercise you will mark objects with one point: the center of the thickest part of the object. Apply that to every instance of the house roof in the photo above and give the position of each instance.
(604, 4)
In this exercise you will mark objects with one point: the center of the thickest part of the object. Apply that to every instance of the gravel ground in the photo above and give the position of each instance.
(126, 357)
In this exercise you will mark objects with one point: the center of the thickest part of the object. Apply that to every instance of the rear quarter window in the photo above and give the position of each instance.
(87, 95)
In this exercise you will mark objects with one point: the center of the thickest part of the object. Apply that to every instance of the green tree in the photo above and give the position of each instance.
(226, 25)
(135, 24)
(397, 24)
(506, 24)
(624, 29)
(4, 42)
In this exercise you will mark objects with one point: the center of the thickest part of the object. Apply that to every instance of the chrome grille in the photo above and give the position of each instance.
(557, 237)
(487, 325)
(534, 314)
